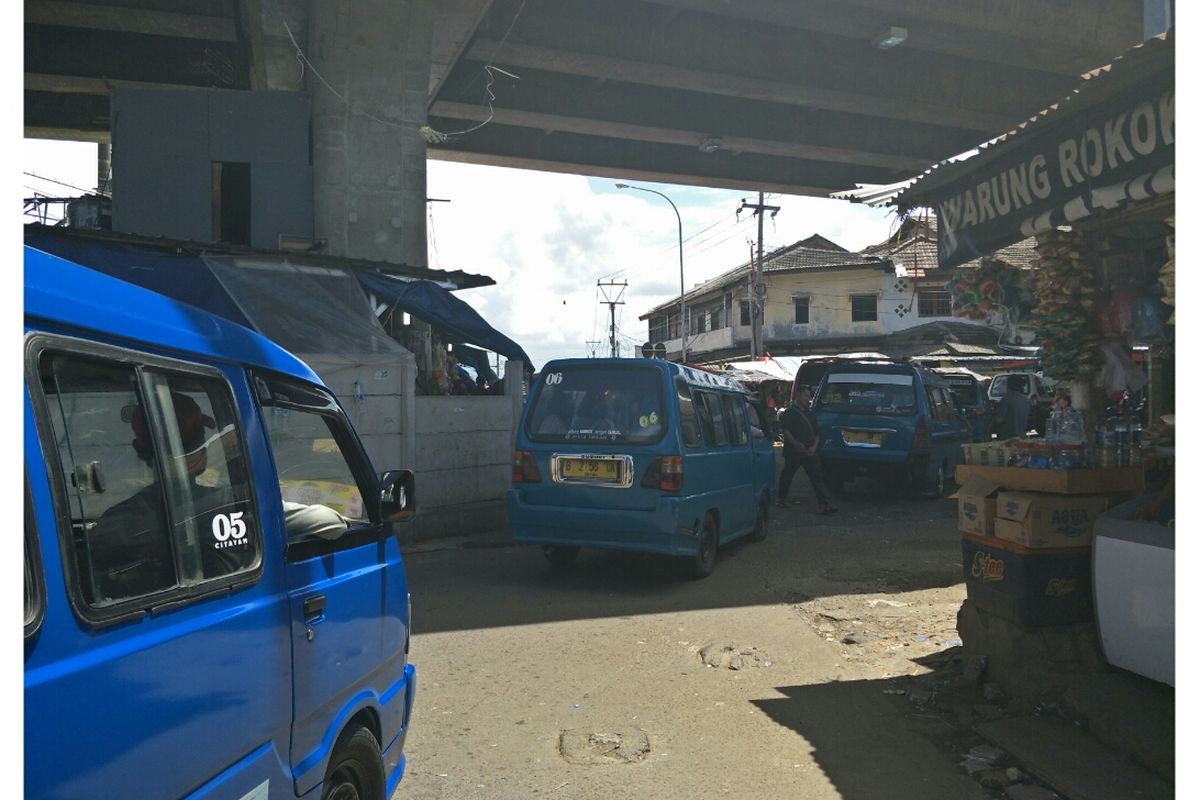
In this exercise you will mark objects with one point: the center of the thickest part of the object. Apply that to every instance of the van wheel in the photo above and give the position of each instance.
(560, 556)
(762, 522)
(937, 487)
(706, 550)
(355, 770)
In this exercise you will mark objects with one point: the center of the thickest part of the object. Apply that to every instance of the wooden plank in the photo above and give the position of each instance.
(1074, 764)
(1058, 481)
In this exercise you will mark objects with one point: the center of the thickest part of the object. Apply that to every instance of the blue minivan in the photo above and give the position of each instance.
(892, 421)
(215, 602)
(642, 455)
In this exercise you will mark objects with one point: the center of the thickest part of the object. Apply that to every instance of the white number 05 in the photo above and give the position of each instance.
(226, 525)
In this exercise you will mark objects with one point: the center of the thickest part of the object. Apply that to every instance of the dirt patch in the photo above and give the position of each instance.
(730, 656)
(887, 634)
(617, 747)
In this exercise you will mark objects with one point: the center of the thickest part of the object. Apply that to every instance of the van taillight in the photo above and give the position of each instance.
(665, 473)
(524, 468)
(921, 440)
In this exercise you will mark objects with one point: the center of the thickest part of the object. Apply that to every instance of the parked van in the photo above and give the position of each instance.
(894, 422)
(971, 400)
(215, 603)
(638, 454)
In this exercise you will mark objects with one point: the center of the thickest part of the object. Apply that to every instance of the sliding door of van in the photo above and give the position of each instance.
(161, 662)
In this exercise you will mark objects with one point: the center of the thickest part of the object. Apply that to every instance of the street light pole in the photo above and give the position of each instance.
(682, 319)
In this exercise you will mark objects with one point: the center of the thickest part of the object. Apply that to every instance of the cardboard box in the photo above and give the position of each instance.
(1048, 520)
(977, 506)
(1060, 481)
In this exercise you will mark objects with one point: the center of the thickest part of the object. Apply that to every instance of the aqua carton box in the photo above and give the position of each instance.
(977, 506)
(1039, 520)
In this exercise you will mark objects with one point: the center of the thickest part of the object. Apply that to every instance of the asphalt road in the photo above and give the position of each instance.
(592, 682)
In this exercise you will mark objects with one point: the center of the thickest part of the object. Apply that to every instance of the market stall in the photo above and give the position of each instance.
(1068, 539)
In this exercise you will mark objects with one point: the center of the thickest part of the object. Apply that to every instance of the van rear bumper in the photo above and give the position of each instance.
(663, 530)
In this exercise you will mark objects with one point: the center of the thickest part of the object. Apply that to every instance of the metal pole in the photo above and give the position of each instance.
(682, 318)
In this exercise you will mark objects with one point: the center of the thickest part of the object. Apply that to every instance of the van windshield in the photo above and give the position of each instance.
(867, 393)
(963, 390)
(583, 403)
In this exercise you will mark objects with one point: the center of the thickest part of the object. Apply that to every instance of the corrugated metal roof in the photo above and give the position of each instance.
(1126, 69)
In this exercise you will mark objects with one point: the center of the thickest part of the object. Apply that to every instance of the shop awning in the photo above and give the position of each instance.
(427, 301)
(1110, 142)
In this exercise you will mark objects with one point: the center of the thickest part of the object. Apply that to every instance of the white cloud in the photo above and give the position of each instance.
(546, 239)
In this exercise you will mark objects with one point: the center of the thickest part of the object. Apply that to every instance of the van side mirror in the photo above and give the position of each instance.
(397, 494)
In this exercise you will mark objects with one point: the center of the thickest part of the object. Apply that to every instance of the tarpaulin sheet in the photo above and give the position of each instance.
(182, 277)
(427, 301)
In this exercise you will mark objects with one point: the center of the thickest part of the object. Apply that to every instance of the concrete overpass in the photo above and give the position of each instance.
(795, 96)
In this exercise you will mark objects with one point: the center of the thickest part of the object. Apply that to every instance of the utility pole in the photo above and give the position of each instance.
(612, 310)
(759, 289)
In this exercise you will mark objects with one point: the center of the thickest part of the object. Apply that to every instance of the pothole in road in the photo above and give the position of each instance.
(730, 656)
(618, 747)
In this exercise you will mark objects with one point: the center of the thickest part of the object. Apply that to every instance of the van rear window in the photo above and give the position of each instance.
(868, 393)
(598, 404)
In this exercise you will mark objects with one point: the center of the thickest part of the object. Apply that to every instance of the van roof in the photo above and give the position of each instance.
(927, 375)
(79, 299)
(693, 375)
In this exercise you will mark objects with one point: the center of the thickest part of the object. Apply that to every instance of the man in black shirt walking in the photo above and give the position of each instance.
(801, 439)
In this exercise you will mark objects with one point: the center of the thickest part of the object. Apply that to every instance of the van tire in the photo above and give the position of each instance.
(936, 487)
(560, 556)
(355, 769)
(705, 559)
(762, 522)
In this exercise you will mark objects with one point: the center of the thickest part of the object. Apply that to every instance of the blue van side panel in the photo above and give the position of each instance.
(156, 697)
(197, 700)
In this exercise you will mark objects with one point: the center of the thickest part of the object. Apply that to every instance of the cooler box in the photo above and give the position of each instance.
(1026, 586)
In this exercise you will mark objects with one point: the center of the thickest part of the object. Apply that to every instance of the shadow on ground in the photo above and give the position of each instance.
(875, 544)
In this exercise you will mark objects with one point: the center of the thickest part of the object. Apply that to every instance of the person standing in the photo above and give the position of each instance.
(1011, 419)
(801, 440)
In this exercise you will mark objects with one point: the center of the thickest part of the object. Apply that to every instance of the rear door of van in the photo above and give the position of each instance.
(867, 415)
(346, 586)
(161, 663)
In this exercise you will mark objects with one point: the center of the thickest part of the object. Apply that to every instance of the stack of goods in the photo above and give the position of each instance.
(1166, 276)
(1064, 291)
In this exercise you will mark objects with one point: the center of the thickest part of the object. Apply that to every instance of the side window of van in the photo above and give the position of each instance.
(735, 417)
(714, 429)
(323, 498)
(689, 428)
(153, 478)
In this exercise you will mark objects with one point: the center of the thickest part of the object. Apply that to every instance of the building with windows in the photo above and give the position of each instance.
(821, 298)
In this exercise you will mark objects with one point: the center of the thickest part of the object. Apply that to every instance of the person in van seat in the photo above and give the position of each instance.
(1012, 412)
(800, 443)
(130, 546)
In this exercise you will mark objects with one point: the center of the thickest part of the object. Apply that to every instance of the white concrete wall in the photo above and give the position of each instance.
(462, 460)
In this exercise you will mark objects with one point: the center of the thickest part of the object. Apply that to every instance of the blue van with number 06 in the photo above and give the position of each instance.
(215, 602)
(643, 455)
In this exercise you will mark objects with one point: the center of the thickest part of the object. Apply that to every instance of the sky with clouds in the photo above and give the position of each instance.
(547, 239)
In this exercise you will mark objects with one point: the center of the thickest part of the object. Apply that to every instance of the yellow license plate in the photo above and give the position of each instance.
(862, 437)
(587, 469)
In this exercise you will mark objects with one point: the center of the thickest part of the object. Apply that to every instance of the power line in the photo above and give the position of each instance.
(60, 183)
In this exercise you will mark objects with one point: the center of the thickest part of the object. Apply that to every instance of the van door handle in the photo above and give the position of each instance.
(314, 608)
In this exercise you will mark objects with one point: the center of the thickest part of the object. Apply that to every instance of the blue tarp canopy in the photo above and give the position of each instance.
(187, 278)
(430, 302)
(180, 276)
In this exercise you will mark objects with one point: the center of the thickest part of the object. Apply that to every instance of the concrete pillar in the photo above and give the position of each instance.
(368, 157)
